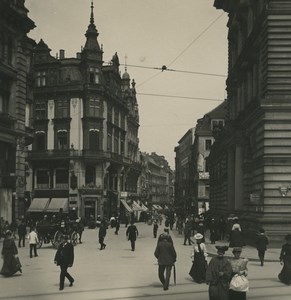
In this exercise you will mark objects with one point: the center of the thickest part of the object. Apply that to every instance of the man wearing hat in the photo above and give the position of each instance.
(218, 275)
(166, 255)
(65, 258)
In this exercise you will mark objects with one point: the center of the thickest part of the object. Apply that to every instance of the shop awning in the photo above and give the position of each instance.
(136, 206)
(57, 203)
(144, 207)
(157, 207)
(125, 205)
(38, 205)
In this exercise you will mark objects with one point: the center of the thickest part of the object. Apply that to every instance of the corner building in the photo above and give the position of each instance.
(250, 161)
(86, 120)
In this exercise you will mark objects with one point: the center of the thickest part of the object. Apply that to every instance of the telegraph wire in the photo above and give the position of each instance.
(164, 68)
(180, 97)
(182, 52)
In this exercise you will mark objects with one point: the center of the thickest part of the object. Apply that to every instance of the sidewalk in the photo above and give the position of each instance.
(272, 254)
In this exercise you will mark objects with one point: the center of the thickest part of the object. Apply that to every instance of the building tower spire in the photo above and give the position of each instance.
(92, 13)
(92, 49)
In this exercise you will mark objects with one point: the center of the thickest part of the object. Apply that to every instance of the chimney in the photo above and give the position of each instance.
(79, 55)
(62, 54)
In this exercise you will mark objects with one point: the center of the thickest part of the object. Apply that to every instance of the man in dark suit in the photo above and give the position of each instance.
(166, 255)
(132, 234)
(65, 259)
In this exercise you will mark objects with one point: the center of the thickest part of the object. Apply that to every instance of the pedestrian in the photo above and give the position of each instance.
(167, 234)
(166, 255)
(236, 237)
(236, 224)
(9, 252)
(262, 242)
(65, 258)
(117, 225)
(132, 234)
(32, 240)
(13, 227)
(239, 284)
(221, 228)
(285, 260)
(218, 275)
(80, 229)
(187, 232)
(213, 230)
(155, 228)
(22, 233)
(102, 234)
(201, 229)
(198, 256)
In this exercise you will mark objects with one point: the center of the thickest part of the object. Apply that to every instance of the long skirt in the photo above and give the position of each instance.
(11, 265)
(198, 269)
(234, 295)
(285, 274)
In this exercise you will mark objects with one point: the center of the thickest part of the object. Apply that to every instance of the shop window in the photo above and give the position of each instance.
(42, 179)
(62, 178)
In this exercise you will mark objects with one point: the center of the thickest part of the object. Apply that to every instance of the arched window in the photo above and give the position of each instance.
(40, 138)
(62, 139)
(94, 139)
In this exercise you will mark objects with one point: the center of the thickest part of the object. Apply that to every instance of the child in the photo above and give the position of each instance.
(262, 242)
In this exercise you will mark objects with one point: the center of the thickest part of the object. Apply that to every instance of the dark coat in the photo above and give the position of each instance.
(22, 229)
(262, 242)
(236, 239)
(65, 254)
(102, 231)
(132, 232)
(165, 253)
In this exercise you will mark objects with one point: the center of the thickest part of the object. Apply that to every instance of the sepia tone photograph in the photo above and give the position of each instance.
(145, 149)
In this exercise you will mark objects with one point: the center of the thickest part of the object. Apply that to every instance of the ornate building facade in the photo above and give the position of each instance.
(15, 105)
(86, 120)
(251, 159)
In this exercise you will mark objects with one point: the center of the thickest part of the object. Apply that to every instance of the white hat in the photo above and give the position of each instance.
(198, 236)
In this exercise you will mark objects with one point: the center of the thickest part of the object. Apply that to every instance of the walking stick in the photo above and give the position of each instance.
(174, 274)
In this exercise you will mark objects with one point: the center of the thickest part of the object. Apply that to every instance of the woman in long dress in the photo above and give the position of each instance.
(239, 267)
(285, 259)
(198, 255)
(9, 253)
(218, 275)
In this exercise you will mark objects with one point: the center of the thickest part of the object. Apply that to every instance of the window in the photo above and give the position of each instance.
(40, 110)
(109, 140)
(62, 139)
(122, 125)
(27, 114)
(122, 145)
(208, 144)
(90, 175)
(94, 75)
(4, 95)
(217, 124)
(40, 140)
(207, 189)
(40, 78)
(116, 117)
(42, 179)
(62, 109)
(94, 139)
(94, 107)
(116, 143)
(109, 113)
(62, 178)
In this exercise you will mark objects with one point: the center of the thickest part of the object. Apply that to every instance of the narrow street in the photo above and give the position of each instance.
(119, 273)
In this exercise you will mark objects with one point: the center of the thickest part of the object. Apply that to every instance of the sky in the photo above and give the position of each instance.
(183, 35)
